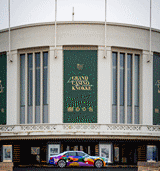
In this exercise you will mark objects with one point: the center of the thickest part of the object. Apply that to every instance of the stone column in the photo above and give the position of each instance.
(13, 88)
(146, 89)
(56, 85)
(104, 85)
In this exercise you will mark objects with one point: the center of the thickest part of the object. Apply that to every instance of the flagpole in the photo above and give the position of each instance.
(150, 27)
(55, 26)
(105, 26)
(73, 14)
(9, 32)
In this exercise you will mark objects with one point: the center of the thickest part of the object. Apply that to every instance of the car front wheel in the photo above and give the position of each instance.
(98, 164)
(61, 163)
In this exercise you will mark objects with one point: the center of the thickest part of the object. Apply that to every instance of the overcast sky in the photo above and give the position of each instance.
(120, 11)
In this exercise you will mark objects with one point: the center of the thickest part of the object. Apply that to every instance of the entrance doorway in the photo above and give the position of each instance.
(33, 152)
(125, 153)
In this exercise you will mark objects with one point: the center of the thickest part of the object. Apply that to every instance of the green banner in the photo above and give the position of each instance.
(3, 69)
(156, 89)
(80, 86)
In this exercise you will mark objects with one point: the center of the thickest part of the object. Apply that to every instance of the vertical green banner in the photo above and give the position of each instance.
(80, 86)
(156, 89)
(3, 69)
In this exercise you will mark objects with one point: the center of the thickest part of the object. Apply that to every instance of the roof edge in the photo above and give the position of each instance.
(79, 22)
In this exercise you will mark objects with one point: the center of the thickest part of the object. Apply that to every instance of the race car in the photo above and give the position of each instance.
(77, 158)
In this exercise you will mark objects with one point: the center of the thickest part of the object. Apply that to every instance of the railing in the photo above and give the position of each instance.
(80, 129)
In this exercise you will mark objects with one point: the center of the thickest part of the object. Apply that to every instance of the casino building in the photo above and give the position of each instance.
(79, 94)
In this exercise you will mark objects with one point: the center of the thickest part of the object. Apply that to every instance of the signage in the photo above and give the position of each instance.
(80, 86)
(53, 149)
(156, 89)
(151, 153)
(105, 150)
(3, 73)
(7, 153)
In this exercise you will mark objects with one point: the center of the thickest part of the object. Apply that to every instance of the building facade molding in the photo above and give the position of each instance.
(81, 129)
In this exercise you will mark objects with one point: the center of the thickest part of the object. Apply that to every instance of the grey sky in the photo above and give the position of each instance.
(121, 11)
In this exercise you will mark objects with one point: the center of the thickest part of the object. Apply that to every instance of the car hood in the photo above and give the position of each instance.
(55, 155)
(94, 157)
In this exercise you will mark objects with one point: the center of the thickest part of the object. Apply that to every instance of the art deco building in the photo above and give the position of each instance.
(77, 94)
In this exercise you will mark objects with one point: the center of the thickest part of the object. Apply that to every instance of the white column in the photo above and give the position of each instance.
(56, 85)
(104, 86)
(13, 89)
(146, 89)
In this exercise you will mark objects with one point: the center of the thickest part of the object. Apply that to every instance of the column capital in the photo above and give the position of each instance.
(146, 52)
(13, 52)
(102, 48)
(52, 48)
(147, 56)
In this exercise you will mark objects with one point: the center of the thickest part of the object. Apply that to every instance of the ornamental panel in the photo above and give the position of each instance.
(3, 73)
(80, 86)
(156, 89)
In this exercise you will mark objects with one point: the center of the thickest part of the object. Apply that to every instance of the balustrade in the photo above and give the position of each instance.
(81, 128)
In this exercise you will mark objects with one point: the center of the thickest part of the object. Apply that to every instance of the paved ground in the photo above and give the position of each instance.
(73, 169)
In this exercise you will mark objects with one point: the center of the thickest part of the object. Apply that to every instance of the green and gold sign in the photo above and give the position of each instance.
(156, 89)
(80, 86)
(3, 67)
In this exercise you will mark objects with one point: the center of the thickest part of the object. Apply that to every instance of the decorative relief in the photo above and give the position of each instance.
(1, 87)
(153, 128)
(6, 128)
(38, 127)
(16, 129)
(81, 126)
(123, 127)
(158, 85)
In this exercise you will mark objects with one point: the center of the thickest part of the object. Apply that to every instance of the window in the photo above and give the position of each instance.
(22, 88)
(80, 154)
(116, 154)
(125, 86)
(129, 88)
(71, 154)
(34, 87)
(114, 87)
(122, 83)
(152, 153)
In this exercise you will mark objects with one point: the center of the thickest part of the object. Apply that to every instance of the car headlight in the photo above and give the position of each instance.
(105, 159)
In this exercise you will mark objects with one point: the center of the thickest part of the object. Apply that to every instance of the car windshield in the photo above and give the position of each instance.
(86, 155)
(83, 154)
(79, 153)
(62, 153)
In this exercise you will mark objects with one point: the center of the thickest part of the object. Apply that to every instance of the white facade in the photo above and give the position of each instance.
(40, 37)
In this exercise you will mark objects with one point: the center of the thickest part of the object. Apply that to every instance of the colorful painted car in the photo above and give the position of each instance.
(77, 158)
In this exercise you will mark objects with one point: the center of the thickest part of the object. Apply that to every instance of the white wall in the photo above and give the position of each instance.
(146, 89)
(12, 89)
(104, 85)
(92, 34)
(80, 34)
(56, 86)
